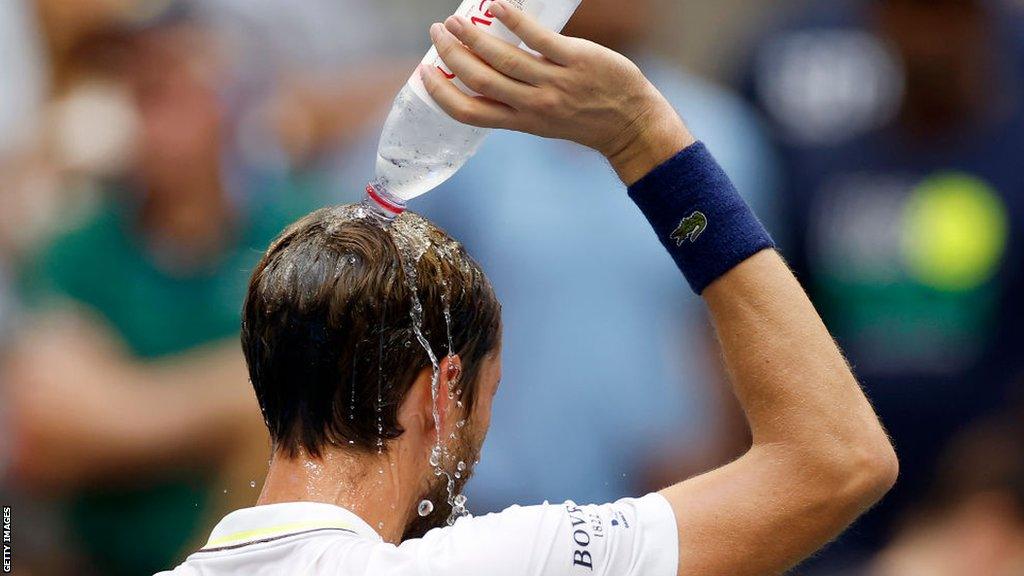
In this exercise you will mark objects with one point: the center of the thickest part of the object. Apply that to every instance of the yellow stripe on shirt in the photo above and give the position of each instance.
(273, 531)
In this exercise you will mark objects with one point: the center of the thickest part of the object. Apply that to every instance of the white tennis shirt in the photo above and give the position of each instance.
(632, 537)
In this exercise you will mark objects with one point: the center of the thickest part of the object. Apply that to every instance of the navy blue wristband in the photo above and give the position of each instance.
(699, 217)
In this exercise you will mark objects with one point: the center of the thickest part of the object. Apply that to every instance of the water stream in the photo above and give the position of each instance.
(411, 235)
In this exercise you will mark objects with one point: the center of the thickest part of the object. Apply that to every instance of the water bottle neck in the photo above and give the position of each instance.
(382, 203)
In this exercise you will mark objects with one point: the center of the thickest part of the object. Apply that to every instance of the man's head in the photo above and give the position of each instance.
(972, 521)
(175, 71)
(334, 358)
(948, 54)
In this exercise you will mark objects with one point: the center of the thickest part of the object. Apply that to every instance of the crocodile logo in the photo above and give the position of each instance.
(690, 228)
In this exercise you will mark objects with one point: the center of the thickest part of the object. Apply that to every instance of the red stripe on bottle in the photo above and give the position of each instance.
(389, 206)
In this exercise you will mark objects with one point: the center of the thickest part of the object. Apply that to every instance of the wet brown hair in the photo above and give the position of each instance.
(327, 331)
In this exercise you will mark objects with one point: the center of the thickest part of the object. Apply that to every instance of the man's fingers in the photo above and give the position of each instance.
(475, 73)
(504, 57)
(551, 45)
(463, 107)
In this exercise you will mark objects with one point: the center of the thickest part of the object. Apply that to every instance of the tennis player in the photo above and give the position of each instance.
(355, 486)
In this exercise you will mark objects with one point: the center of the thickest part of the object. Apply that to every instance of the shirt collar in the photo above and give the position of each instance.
(273, 521)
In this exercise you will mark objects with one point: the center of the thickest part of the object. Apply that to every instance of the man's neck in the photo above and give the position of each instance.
(370, 486)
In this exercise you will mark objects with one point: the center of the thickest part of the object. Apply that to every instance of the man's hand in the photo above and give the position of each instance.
(575, 90)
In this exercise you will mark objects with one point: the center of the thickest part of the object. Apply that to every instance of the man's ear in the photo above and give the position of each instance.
(417, 410)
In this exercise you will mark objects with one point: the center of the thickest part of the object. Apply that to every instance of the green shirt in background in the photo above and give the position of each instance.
(103, 265)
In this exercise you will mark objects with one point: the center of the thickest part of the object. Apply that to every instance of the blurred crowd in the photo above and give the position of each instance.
(151, 149)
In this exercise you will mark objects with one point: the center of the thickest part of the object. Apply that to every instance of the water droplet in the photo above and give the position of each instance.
(458, 474)
(425, 508)
(252, 484)
(352, 400)
(461, 466)
(460, 500)
(447, 318)
(380, 525)
(435, 457)
(380, 378)
(460, 423)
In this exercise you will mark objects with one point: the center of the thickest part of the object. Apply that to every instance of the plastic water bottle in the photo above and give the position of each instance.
(421, 146)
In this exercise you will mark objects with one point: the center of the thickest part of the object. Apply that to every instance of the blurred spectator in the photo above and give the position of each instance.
(973, 525)
(320, 71)
(603, 342)
(901, 125)
(128, 391)
(42, 119)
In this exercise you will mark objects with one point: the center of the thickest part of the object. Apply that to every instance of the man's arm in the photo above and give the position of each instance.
(819, 456)
(83, 411)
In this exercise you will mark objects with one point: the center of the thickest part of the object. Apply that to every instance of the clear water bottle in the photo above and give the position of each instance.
(421, 146)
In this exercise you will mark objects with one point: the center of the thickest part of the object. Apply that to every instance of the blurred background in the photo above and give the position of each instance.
(150, 149)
